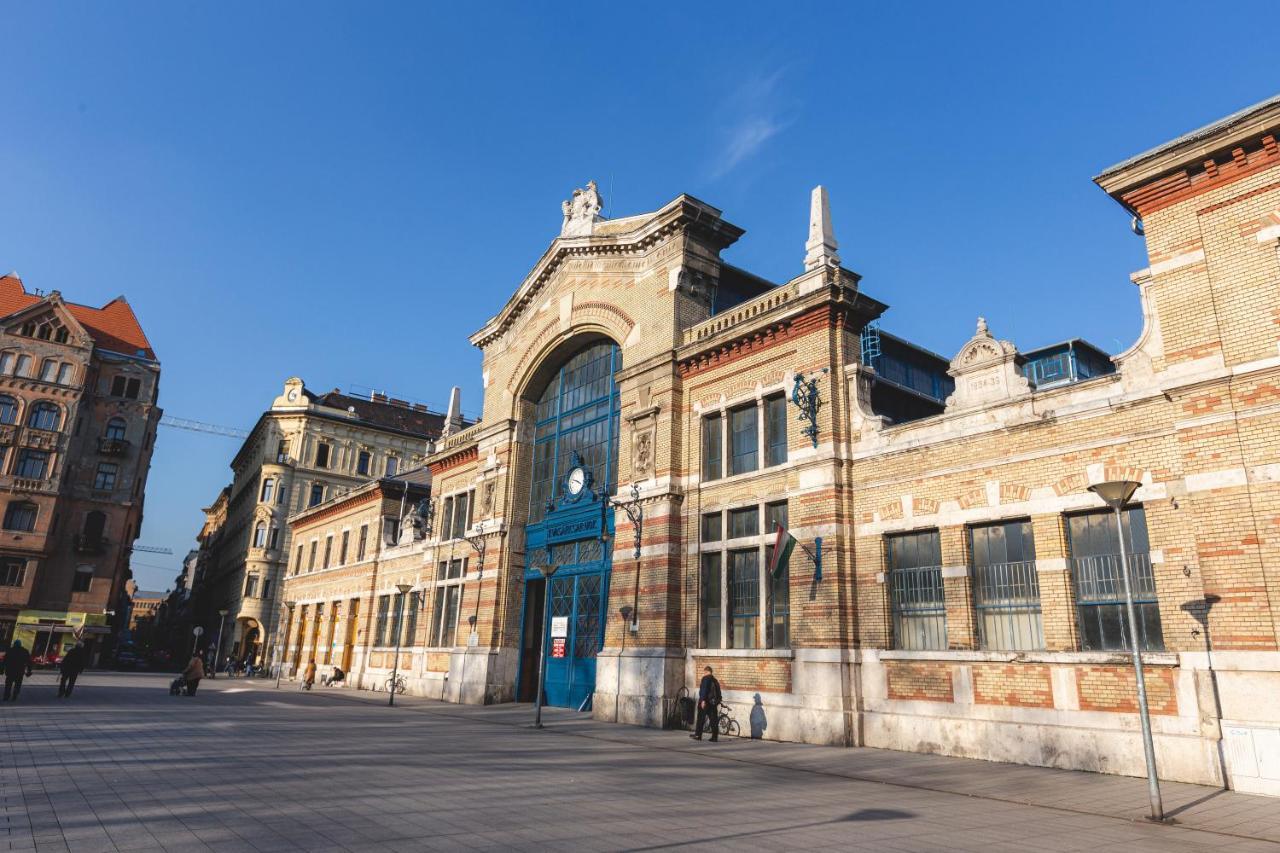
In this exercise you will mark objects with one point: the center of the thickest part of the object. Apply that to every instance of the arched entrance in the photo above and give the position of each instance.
(574, 469)
(249, 646)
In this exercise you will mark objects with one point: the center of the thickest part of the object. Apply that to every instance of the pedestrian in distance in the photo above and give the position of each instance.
(335, 678)
(192, 674)
(17, 666)
(309, 675)
(708, 706)
(73, 663)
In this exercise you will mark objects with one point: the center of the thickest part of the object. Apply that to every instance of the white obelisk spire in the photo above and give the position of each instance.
(820, 250)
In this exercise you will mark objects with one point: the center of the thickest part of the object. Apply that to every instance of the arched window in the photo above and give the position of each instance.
(116, 428)
(260, 535)
(576, 413)
(44, 416)
(268, 489)
(20, 515)
(95, 525)
(8, 409)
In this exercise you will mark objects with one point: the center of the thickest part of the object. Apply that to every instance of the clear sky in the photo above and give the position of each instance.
(344, 192)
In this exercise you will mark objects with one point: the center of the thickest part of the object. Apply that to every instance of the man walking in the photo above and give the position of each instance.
(708, 706)
(73, 663)
(17, 665)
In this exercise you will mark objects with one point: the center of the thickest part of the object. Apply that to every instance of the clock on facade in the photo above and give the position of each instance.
(577, 481)
(293, 394)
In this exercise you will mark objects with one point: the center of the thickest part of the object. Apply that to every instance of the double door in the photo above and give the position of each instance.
(576, 601)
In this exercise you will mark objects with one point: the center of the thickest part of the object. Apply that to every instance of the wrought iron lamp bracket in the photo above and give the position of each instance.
(635, 513)
(806, 397)
(479, 544)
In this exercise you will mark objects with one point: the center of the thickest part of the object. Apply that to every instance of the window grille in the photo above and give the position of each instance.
(1006, 588)
(916, 598)
(1099, 586)
(744, 598)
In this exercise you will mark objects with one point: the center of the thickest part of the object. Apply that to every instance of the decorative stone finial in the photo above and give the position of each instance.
(983, 331)
(453, 417)
(820, 249)
(581, 211)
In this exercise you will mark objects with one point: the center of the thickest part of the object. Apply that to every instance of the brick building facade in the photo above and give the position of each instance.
(964, 597)
(78, 417)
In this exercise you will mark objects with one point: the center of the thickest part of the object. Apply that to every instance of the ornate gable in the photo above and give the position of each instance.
(986, 371)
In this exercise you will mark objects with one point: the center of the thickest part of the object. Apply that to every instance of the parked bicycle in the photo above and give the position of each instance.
(728, 725)
(397, 683)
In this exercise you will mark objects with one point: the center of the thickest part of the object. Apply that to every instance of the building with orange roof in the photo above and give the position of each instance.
(78, 417)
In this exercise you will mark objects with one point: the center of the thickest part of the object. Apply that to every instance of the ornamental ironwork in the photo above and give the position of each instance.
(806, 398)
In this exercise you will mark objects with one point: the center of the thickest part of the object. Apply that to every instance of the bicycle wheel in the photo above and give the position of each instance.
(732, 730)
(727, 725)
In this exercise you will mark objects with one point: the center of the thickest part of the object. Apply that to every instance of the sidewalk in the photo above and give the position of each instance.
(1227, 813)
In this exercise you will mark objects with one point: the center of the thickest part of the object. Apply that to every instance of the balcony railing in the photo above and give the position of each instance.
(39, 438)
(90, 544)
(112, 446)
(7, 433)
(29, 484)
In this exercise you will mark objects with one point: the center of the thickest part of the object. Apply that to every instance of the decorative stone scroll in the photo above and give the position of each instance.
(986, 371)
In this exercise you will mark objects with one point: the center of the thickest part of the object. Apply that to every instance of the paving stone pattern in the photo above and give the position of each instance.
(240, 766)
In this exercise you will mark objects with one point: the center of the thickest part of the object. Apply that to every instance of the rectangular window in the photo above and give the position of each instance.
(744, 450)
(24, 366)
(397, 624)
(713, 447)
(411, 623)
(362, 462)
(775, 514)
(322, 455)
(342, 551)
(106, 477)
(274, 539)
(446, 519)
(712, 527)
(6, 363)
(311, 559)
(48, 370)
(779, 619)
(328, 550)
(64, 374)
(1095, 569)
(744, 522)
(282, 495)
(282, 450)
(390, 530)
(362, 542)
(915, 591)
(317, 494)
(297, 565)
(13, 572)
(460, 511)
(251, 586)
(380, 628)
(775, 430)
(711, 600)
(393, 466)
(131, 388)
(471, 507)
(744, 599)
(1006, 589)
(444, 618)
(266, 588)
(32, 464)
(82, 581)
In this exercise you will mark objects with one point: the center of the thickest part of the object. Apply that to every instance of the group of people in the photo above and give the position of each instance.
(17, 667)
(309, 676)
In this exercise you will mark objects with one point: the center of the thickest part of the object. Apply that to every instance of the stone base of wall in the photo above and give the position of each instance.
(637, 686)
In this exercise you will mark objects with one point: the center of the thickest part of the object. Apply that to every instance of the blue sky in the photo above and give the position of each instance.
(345, 192)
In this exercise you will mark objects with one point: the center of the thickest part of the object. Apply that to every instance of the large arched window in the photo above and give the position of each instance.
(44, 416)
(576, 413)
(116, 428)
(260, 535)
(8, 409)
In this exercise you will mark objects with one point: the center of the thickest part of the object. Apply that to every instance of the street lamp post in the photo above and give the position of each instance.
(217, 648)
(1116, 494)
(280, 656)
(395, 666)
(547, 571)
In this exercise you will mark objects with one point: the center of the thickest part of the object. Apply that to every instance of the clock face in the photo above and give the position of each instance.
(293, 394)
(577, 479)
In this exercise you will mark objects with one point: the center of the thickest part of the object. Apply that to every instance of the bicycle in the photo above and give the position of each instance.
(396, 683)
(727, 725)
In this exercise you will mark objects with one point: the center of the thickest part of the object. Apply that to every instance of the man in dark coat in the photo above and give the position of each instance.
(17, 665)
(708, 706)
(73, 663)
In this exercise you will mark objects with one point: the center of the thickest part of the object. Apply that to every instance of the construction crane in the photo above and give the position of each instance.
(153, 549)
(200, 426)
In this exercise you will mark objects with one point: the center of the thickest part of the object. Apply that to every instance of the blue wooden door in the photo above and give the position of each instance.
(580, 599)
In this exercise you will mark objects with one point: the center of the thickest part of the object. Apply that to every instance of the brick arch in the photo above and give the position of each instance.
(549, 350)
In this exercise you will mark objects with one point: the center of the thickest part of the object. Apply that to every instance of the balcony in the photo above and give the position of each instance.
(40, 439)
(112, 446)
(7, 433)
(29, 484)
(90, 544)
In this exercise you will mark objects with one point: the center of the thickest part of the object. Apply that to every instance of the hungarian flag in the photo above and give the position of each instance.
(783, 545)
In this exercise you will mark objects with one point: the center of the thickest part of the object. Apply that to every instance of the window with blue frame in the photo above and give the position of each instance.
(577, 412)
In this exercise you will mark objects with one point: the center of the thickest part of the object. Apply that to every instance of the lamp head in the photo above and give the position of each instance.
(548, 570)
(1115, 493)
(291, 604)
(404, 588)
(223, 612)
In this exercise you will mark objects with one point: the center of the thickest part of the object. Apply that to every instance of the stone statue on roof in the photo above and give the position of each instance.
(581, 211)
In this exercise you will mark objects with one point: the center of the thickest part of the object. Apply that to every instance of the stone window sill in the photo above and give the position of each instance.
(977, 656)
(786, 654)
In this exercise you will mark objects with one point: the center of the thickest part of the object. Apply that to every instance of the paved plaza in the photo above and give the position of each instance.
(241, 766)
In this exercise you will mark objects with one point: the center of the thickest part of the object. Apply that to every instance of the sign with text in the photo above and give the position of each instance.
(557, 647)
(560, 626)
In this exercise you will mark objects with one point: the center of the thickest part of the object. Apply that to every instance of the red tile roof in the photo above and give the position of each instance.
(113, 326)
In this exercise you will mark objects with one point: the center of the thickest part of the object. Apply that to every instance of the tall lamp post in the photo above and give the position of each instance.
(395, 666)
(547, 571)
(1116, 494)
(280, 655)
(217, 647)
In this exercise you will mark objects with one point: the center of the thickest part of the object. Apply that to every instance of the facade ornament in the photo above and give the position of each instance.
(805, 397)
(581, 212)
(986, 370)
(820, 249)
